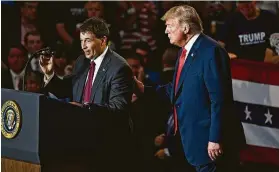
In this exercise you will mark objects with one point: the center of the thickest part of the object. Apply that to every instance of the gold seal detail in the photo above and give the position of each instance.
(10, 119)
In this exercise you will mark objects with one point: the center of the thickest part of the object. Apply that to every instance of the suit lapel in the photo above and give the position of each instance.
(101, 73)
(190, 58)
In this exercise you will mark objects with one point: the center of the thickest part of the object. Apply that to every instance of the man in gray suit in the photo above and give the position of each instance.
(102, 83)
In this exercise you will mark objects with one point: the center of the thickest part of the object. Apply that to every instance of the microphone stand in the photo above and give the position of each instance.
(44, 51)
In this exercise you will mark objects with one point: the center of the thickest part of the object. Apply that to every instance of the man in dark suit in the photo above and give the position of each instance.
(205, 128)
(13, 76)
(102, 82)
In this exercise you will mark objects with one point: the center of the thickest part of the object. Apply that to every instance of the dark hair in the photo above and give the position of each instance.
(141, 45)
(20, 47)
(96, 26)
(34, 33)
(170, 55)
(130, 54)
(61, 51)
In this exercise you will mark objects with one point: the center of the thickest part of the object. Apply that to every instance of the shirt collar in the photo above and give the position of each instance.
(100, 58)
(191, 42)
(14, 75)
(168, 69)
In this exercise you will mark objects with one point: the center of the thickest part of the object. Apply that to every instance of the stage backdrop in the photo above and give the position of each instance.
(256, 94)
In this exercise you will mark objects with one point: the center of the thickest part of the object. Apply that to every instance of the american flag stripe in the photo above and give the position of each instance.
(255, 72)
(258, 154)
(257, 114)
(261, 136)
(256, 96)
(256, 93)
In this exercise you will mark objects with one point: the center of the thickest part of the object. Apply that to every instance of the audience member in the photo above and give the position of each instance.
(33, 82)
(70, 15)
(272, 6)
(69, 67)
(28, 18)
(136, 63)
(138, 20)
(150, 62)
(60, 60)
(147, 115)
(246, 33)
(33, 42)
(17, 59)
(98, 9)
(168, 64)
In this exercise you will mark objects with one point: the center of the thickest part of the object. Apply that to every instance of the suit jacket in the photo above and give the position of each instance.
(204, 102)
(110, 97)
(6, 79)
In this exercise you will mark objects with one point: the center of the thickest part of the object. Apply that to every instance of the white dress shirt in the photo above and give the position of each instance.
(16, 78)
(191, 42)
(98, 61)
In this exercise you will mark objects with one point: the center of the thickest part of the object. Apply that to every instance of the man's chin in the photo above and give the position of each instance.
(172, 42)
(88, 56)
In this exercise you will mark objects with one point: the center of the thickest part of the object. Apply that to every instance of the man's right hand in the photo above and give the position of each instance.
(160, 154)
(46, 64)
(139, 85)
(141, 74)
(232, 55)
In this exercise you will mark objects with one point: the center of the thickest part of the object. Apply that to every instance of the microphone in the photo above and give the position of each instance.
(46, 52)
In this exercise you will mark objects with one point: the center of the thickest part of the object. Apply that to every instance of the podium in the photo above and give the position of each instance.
(50, 135)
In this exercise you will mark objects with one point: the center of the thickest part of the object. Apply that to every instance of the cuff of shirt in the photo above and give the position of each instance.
(167, 152)
(46, 80)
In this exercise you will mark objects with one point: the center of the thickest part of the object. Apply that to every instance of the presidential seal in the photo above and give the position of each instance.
(10, 119)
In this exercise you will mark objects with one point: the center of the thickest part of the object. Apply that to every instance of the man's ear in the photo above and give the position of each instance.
(104, 41)
(186, 28)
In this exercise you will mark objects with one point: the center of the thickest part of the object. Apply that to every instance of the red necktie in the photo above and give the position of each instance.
(180, 66)
(20, 82)
(88, 85)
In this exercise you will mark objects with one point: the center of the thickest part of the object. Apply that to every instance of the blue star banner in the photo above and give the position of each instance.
(256, 97)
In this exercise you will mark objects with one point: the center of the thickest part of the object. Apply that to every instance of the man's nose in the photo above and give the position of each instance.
(166, 30)
(17, 58)
(83, 45)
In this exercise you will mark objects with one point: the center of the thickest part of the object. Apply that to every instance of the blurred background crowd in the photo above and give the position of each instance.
(248, 30)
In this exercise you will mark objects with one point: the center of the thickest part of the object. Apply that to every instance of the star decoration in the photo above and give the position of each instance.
(247, 112)
(268, 117)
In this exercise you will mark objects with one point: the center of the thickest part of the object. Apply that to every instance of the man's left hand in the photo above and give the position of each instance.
(214, 150)
(76, 103)
(160, 154)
